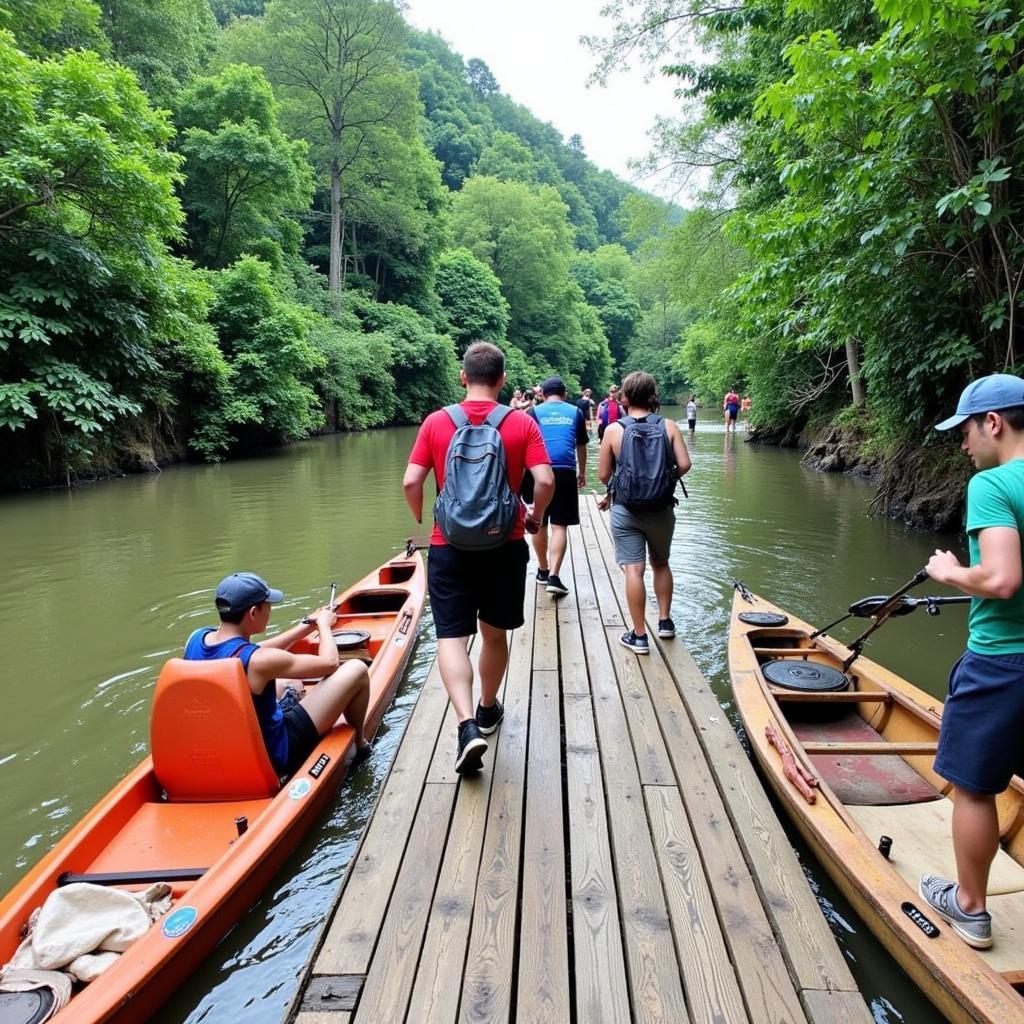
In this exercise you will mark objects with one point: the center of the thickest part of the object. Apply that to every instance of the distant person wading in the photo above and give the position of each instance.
(643, 457)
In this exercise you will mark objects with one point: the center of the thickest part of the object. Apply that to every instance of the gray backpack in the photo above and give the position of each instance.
(477, 508)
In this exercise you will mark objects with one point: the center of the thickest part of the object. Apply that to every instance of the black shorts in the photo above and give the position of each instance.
(692, 424)
(564, 507)
(301, 732)
(468, 585)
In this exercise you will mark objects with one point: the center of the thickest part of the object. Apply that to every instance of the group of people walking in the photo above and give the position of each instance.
(503, 473)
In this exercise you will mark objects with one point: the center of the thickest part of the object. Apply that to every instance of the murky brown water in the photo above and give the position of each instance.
(103, 583)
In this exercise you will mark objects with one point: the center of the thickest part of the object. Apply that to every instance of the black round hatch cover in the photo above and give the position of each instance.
(804, 675)
(25, 1007)
(763, 618)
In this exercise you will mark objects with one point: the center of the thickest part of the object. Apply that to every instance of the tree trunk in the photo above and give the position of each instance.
(853, 364)
(334, 272)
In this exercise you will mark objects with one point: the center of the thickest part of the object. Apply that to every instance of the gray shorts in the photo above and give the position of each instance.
(636, 532)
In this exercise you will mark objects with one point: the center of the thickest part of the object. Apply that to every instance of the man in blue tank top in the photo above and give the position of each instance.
(564, 430)
(291, 728)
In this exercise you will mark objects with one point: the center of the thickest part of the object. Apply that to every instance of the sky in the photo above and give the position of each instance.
(532, 47)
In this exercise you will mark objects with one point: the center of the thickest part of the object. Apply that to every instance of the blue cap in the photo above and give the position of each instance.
(987, 394)
(242, 590)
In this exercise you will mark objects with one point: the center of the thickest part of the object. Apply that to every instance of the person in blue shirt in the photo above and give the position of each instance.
(565, 436)
(291, 728)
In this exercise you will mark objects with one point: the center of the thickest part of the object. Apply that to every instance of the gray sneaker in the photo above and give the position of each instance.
(940, 895)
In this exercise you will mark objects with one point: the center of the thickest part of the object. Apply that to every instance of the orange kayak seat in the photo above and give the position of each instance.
(205, 737)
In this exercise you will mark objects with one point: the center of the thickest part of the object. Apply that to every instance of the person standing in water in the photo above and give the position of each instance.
(691, 414)
(731, 408)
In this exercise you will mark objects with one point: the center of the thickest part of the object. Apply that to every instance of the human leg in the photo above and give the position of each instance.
(493, 661)
(559, 542)
(975, 844)
(456, 674)
(346, 690)
(636, 597)
(540, 548)
(663, 585)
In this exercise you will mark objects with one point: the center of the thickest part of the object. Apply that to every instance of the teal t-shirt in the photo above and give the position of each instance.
(995, 497)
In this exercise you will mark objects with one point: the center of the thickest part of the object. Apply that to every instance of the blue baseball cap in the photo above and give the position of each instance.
(987, 394)
(242, 590)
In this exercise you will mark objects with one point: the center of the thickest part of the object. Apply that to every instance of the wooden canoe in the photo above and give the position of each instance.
(864, 756)
(142, 826)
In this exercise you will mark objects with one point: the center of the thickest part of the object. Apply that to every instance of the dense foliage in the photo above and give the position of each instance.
(860, 240)
(231, 223)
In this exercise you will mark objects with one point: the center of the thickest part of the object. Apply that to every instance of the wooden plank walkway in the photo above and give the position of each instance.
(616, 860)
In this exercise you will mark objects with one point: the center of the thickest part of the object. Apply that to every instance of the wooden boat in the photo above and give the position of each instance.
(859, 763)
(178, 816)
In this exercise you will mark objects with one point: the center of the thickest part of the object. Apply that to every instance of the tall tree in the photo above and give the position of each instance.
(335, 66)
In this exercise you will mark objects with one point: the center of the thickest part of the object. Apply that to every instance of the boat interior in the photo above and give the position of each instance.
(872, 744)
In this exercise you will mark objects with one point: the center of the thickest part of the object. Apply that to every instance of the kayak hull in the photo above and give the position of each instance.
(133, 828)
(868, 752)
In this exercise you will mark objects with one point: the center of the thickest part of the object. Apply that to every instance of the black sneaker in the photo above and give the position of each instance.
(542, 576)
(557, 587)
(637, 644)
(666, 629)
(488, 719)
(472, 747)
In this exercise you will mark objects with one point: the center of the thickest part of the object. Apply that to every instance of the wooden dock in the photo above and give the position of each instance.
(616, 860)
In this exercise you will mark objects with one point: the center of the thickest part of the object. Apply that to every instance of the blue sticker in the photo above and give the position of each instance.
(299, 788)
(179, 922)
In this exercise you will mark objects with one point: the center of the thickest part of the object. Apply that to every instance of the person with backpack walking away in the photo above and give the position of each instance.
(642, 457)
(476, 572)
(565, 436)
(609, 411)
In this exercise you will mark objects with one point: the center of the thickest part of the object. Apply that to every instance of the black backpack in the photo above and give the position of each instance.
(646, 474)
(477, 508)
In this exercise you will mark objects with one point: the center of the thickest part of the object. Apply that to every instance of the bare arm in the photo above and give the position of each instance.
(543, 489)
(283, 641)
(412, 485)
(271, 662)
(683, 462)
(998, 574)
(606, 455)
(581, 465)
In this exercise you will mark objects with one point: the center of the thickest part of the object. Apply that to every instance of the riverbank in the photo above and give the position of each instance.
(920, 485)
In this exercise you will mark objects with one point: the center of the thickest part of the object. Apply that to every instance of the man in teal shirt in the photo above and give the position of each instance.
(981, 745)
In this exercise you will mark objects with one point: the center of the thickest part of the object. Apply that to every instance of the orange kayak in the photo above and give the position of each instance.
(849, 752)
(206, 812)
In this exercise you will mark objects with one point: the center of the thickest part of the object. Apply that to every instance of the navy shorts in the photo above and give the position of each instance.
(981, 744)
(468, 585)
(564, 507)
(301, 733)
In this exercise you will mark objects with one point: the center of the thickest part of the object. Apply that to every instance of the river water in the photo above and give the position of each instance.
(103, 583)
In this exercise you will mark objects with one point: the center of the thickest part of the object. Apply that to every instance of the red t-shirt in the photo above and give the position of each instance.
(524, 449)
(732, 399)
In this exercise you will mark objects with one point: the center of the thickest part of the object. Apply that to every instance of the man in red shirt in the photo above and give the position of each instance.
(731, 408)
(486, 586)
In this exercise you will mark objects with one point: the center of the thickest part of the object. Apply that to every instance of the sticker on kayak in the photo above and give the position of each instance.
(179, 922)
(321, 763)
(919, 919)
(299, 788)
(399, 641)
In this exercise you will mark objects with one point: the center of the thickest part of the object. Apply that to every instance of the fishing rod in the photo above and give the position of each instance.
(881, 609)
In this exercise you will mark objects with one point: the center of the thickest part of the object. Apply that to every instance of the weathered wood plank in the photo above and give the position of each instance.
(543, 991)
(600, 969)
(323, 1017)
(439, 973)
(648, 746)
(545, 644)
(712, 991)
(604, 591)
(353, 931)
(835, 1007)
(487, 983)
(442, 765)
(657, 993)
(389, 980)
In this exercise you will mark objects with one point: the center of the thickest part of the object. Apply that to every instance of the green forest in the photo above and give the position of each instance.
(227, 224)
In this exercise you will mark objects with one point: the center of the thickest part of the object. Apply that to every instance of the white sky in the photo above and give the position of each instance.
(533, 49)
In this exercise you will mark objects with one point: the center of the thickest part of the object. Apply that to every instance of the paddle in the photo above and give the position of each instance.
(867, 607)
(307, 621)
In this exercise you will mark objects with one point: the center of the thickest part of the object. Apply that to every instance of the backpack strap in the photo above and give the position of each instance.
(457, 415)
(497, 415)
(625, 421)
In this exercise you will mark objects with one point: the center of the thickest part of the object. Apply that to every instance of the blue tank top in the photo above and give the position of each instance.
(268, 713)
